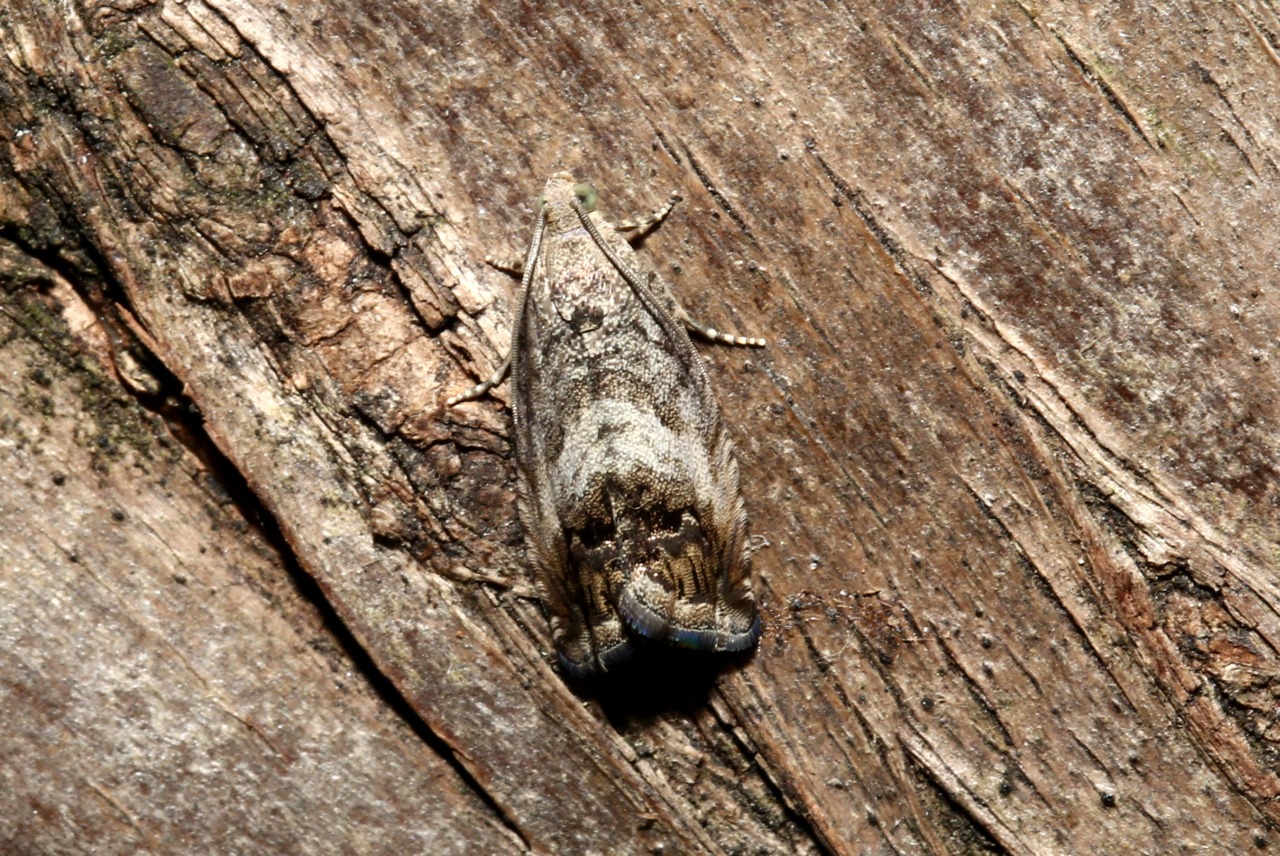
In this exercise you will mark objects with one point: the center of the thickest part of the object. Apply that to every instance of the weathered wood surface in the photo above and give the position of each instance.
(1013, 446)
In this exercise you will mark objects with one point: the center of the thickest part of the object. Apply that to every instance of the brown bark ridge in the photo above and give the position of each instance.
(1012, 450)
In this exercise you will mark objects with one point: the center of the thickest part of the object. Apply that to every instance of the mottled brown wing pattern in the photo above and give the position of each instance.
(628, 487)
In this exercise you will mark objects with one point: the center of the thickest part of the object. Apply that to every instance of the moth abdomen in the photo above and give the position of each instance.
(678, 586)
(716, 621)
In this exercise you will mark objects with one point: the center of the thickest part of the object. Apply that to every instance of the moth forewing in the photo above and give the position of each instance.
(628, 488)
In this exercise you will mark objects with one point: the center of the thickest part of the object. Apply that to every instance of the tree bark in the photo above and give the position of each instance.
(1012, 450)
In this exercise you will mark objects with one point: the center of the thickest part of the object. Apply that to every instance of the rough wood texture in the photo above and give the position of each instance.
(1014, 445)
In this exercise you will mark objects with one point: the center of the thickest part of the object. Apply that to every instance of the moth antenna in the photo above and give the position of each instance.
(642, 291)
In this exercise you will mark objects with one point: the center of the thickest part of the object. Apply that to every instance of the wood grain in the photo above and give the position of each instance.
(1012, 450)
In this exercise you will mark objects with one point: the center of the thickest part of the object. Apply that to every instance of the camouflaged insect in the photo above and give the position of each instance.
(628, 487)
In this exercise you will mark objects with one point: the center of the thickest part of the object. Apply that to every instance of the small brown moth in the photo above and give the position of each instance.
(628, 487)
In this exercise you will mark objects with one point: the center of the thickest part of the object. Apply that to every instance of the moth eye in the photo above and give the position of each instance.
(539, 204)
(586, 195)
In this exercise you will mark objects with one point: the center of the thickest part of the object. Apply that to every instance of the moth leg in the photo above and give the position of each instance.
(642, 226)
(715, 335)
(481, 388)
(513, 265)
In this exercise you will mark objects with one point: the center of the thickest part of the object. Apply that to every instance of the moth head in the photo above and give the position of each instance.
(560, 195)
(584, 193)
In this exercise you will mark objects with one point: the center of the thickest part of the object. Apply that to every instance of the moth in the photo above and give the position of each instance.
(627, 483)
